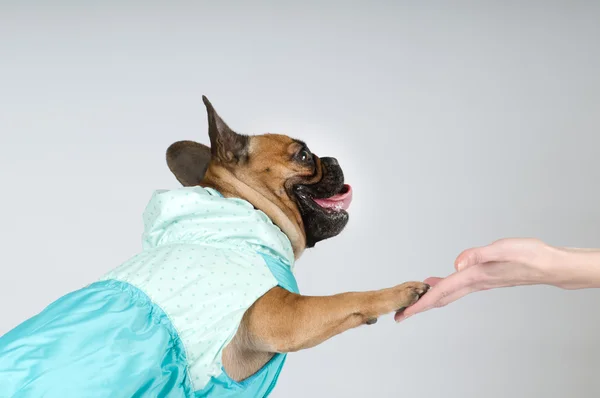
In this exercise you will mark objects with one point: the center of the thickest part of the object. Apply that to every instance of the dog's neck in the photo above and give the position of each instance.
(229, 185)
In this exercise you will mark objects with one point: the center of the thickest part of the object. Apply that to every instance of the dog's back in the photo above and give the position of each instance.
(160, 321)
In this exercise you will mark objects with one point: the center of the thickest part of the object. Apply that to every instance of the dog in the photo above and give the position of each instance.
(210, 306)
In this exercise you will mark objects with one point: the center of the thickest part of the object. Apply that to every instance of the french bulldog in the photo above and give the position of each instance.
(306, 196)
(210, 307)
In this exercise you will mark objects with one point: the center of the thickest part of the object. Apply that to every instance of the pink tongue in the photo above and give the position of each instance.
(337, 202)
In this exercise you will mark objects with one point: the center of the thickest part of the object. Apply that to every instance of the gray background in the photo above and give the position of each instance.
(456, 123)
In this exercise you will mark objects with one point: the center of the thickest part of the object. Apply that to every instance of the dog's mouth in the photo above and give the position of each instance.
(323, 205)
(338, 202)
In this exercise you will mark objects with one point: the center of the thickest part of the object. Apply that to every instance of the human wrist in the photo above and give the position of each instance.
(574, 268)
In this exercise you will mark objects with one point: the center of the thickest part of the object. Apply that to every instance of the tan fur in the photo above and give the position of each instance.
(261, 170)
(261, 181)
(281, 321)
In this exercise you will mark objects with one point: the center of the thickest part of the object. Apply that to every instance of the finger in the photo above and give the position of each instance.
(401, 316)
(433, 280)
(445, 299)
(441, 288)
(428, 301)
(445, 291)
(479, 255)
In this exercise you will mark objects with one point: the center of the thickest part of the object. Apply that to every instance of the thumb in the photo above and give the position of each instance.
(433, 280)
(478, 255)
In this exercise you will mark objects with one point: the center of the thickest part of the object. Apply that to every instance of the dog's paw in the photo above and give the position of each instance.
(410, 293)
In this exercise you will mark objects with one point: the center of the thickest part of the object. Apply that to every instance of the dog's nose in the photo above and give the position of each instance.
(330, 161)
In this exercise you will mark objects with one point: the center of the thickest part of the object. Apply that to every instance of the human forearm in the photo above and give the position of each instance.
(577, 268)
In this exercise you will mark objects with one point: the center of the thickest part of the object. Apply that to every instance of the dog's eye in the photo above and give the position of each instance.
(305, 156)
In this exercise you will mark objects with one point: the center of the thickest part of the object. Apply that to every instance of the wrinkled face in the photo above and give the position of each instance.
(314, 186)
(277, 174)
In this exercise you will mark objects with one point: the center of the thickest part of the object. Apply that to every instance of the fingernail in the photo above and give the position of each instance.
(403, 318)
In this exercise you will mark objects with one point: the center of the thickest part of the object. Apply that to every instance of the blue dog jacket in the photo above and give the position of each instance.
(157, 325)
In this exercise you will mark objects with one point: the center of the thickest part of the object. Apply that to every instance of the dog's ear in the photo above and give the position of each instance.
(188, 160)
(226, 145)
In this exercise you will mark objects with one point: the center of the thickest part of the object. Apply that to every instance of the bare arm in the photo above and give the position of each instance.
(512, 262)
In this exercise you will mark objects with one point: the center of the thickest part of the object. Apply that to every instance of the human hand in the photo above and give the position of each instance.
(510, 262)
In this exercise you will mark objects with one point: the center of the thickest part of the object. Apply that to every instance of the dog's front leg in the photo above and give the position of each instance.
(281, 321)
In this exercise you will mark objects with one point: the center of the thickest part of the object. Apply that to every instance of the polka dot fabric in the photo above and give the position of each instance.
(203, 264)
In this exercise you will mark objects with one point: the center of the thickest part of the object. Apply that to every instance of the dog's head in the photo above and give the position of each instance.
(303, 194)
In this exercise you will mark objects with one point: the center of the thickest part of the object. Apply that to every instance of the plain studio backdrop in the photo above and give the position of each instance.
(456, 124)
